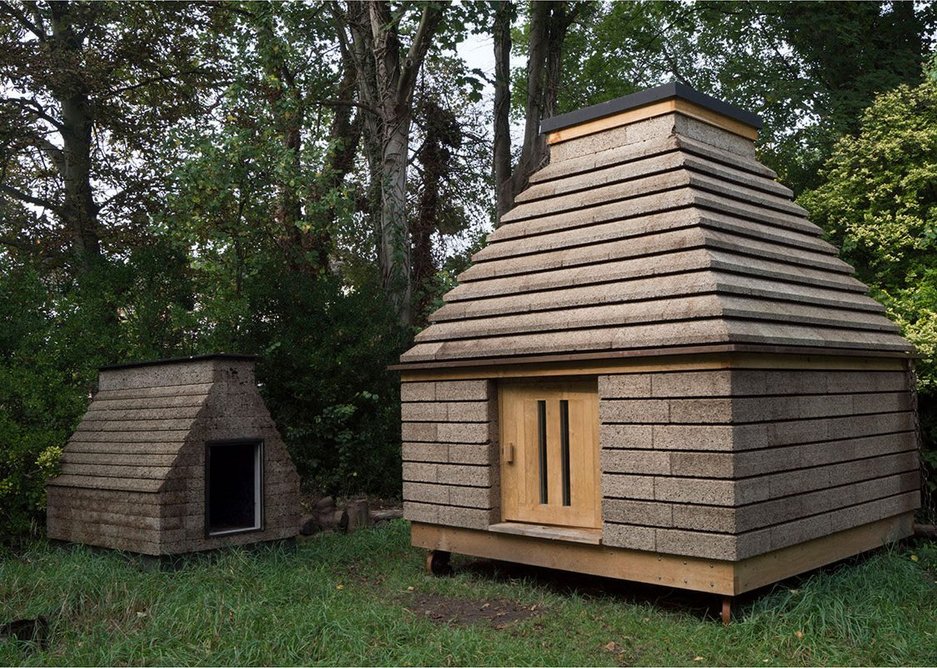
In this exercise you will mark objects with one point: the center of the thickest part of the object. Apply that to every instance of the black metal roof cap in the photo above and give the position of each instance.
(182, 360)
(645, 97)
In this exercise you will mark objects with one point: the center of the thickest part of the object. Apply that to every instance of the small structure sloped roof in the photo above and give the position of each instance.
(130, 438)
(140, 420)
(662, 233)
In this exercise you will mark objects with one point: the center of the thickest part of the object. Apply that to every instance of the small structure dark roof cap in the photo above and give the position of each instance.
(646, 97)
(235, 357)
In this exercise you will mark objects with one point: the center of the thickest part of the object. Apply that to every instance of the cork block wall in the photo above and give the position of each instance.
(733, 463)
(134, 473)
(450, 452)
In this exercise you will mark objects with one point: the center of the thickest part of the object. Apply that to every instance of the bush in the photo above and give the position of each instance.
(323, 373)
(39, 402)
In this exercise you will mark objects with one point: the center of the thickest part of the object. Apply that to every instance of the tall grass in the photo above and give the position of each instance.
(343, 600)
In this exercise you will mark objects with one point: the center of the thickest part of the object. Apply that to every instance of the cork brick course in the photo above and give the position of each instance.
(450, 452)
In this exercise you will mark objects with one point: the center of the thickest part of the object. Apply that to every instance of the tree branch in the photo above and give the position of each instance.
(570, 18)
(54, 152)
(429, 21)
(29, 199)
(9, 9)
(146, 82)
(111, 199)
(344, 103)
(18, 243)
(33, 106)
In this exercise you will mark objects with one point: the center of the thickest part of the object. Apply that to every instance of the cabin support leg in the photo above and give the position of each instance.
(437, 563)
(726, 610)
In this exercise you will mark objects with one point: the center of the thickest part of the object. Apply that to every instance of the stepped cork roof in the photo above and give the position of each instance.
(133, 432)
(654, 229)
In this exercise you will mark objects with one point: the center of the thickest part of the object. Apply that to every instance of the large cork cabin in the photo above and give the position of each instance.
(657, 370)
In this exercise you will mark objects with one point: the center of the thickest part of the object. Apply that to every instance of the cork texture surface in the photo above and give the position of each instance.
(733, 463)
(133, 473)
(664, 233)
(450, 453)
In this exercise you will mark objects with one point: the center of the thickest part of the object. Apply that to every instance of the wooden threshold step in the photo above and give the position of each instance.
(570, 534)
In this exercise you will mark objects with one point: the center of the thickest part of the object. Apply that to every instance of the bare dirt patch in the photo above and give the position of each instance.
(497, 613)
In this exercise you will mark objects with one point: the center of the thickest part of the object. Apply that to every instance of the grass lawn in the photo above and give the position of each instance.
(364, 599)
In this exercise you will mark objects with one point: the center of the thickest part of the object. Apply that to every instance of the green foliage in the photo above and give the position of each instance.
(144, 68)
(39, 401)
(324, 335)
(356, 600)
(225, 225)
(879, 205)
(325, 350)
(53, 338)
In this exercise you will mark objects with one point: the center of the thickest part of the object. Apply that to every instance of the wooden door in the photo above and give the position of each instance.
(550, 453)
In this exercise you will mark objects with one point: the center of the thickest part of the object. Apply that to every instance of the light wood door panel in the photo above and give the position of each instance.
(550, 453)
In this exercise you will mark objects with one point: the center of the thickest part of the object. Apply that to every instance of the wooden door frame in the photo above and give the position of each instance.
(558, 516)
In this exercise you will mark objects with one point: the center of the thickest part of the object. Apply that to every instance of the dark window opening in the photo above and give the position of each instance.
(542, 447)
(233, 487)
(564, 449)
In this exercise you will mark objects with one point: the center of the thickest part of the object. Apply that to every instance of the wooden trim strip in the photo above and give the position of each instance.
(610, 356)
(645, 97)
(673, 105)
(608, 363)
(571, 534)
(716, 119)
(661, 569)
(771, 567)
(697, 574)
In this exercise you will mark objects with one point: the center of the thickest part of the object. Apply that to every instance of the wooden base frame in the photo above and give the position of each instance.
(727, 578)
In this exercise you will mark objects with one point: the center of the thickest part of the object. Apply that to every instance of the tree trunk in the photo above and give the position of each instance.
(502, 108)
(533, 149)
(344, 135)
(394, 251)
(549, 23)
(354, 29)
(386, 84)
(395, 225)
(288, 110)
(442, 134)
(79, 210)
(560, 20)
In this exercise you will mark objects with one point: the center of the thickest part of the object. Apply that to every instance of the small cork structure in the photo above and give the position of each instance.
(658, 370)
(175, 456)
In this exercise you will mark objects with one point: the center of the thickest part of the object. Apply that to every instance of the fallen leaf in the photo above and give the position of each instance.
(339, 586)
(698, 658)
(914, 557)
(409, 588)
(612, 647)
